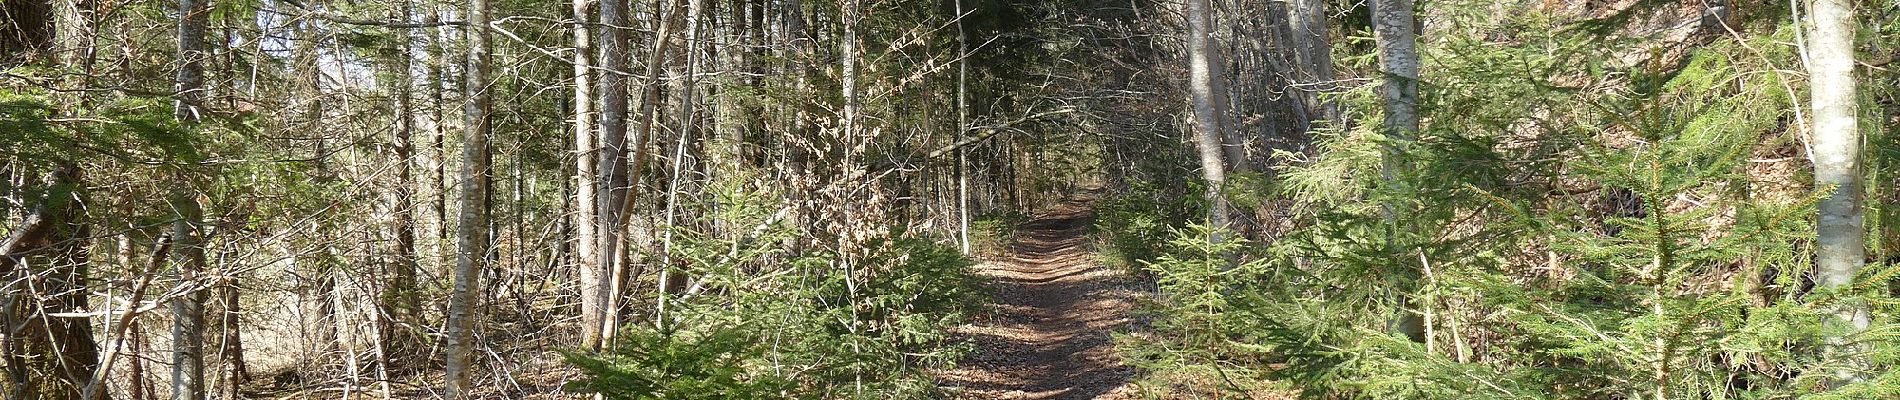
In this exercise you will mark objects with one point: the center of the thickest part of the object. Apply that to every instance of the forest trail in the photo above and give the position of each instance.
(1048, 336)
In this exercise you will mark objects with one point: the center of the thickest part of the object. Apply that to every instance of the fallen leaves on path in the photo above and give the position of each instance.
(1048, 336)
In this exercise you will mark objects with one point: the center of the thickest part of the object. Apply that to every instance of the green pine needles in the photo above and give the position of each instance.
(1570, 225)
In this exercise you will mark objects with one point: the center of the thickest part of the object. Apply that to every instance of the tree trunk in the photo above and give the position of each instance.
(141, 386)
(436, 159)
(73, 35)
(399, 303)
(674, 279)
(471, 249)
(1203, 66)
(611, 194)
(963, 127)
(188, 309)
(46, 285)
(849, 57)
(44, 261)
(231, 344)
(193, 16)
(593, 287)
(29, 28)
(648, 116)
(1840, 234)
(1312, 60)
(1398, 63)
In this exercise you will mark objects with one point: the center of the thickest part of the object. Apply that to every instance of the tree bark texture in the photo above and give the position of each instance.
(615, 178)
(593, 286)
(1840, 232)
(1203, 70)
(1396, 37)
(472, 232)
(188, 309)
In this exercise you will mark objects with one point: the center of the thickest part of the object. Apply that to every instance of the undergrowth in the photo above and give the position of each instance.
(1638, 239)
(765, 323)
(1133, 228)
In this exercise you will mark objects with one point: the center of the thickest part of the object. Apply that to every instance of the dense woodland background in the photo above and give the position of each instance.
(1485, 199)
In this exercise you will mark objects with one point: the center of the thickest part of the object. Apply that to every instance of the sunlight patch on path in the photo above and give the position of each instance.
(1048, 336)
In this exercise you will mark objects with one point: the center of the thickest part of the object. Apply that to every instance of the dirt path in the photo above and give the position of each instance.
(1048, 337)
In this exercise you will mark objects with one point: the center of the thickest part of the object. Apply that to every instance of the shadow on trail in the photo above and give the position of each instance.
(1049, 334)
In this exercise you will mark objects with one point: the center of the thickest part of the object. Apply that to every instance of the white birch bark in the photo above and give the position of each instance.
(1202, 66)
(1840, 232)
(471, 248)
(1398, 63)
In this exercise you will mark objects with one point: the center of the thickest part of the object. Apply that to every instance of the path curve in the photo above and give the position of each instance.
(1048, 336)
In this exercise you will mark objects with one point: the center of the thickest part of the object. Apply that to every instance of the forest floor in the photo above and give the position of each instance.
(1055, 306)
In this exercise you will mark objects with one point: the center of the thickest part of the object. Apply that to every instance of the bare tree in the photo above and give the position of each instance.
(403, 306)
(963, 126)
(688, 107)
(1312, 59)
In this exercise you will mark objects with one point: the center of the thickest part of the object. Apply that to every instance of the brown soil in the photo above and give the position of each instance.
(1055, 308)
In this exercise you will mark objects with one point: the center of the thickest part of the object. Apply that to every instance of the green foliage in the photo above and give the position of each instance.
(1199, 335)
(701, 364)
(992, 234)
(29, 136)
(1568, 227)
(1134, 228)
(125, 128)
(767, 323)
(1882, 156)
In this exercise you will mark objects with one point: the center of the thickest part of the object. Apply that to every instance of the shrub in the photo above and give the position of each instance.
(992, 235)
(1638, 239)
(1135, 228)
(798, 327)
(1198, 341)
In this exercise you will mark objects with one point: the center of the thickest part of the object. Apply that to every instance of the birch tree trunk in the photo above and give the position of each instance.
(471, 249)
(1836, 143)
(1203, 64)
(848, 54)
(1840, 241)
(1398, 63)
(963, 126)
